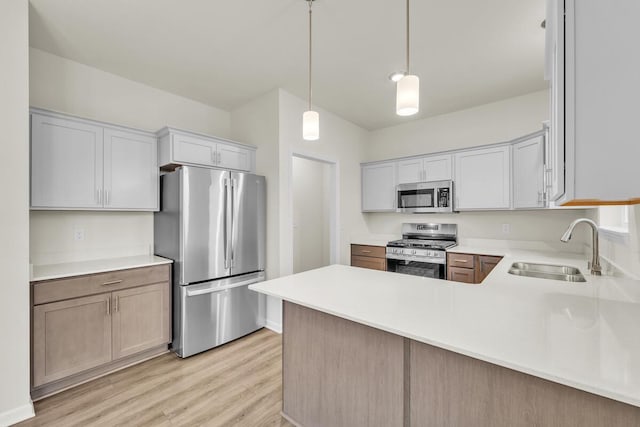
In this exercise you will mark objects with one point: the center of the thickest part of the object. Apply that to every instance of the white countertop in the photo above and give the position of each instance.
(69, 269)
(373, 239)
(581, 335)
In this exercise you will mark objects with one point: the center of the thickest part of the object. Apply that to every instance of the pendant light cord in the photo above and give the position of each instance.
(407, 36)
(310, 3)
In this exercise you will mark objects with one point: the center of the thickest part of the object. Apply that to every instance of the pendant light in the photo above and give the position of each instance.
(408, 87)
(310, 118)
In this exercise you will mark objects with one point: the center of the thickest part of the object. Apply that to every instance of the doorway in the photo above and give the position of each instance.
(313, 187)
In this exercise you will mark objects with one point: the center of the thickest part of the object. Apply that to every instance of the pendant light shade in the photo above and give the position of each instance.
(311, 125)
(408, 96)
(408, 87)
(310, 118)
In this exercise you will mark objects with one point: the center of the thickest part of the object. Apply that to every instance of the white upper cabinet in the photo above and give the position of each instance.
(528, 174)
(595, 90)
(438, 168)
(178, 147)
(79, 164)
(410, 170)
(66, 163)
(233, 157)
(130, 170)
(424, 169)
(483, 179)
(379, 187)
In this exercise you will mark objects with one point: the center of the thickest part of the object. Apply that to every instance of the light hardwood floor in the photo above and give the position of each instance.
(238, 384)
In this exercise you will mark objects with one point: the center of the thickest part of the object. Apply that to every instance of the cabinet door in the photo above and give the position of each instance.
(379, 187)
(188, 149)
(438, 168)
(66, 163)
(141, 319)
(528, 174)
(130, 170)
(232, 157)
(70, 337)
(485, 265)
(410, 170)
(483, 179)
(554, 72)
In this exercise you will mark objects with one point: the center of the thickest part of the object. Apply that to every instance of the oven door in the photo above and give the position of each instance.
(417, 268)
(412, 198)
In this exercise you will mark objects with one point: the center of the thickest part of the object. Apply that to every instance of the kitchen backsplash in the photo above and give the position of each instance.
(60, 236)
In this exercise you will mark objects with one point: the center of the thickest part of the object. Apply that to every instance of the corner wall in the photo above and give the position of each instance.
(15, 402)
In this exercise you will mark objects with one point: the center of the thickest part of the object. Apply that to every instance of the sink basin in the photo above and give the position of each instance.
(547, 271)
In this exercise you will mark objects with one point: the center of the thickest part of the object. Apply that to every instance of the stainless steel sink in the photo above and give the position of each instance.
(547, 271)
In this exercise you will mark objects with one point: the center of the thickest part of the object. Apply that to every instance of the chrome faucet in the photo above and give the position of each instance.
(594, 265)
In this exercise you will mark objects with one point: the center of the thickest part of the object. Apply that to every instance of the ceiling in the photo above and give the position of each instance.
(224, 53)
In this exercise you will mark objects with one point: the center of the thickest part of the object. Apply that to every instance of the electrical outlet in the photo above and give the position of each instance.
(78, 234)
(506, 228)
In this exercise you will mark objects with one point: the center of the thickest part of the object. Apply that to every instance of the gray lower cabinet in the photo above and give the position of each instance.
(124, 317)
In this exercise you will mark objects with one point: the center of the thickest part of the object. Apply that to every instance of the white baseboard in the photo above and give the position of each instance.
(275, 327)
(15, 415)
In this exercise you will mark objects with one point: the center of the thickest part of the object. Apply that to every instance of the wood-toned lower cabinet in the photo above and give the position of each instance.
(70, 337)
(367, 256)
(140, 319)
(124, 317)
(470, 268)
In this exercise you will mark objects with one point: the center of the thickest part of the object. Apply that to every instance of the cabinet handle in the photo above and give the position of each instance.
(106, 197)
(113, 282)
(365, 252)
(116, 305)
(460, 260)
(108, 301)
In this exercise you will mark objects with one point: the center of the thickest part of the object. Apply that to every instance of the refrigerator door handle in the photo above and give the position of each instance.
(233, 189)
(226, 226)
(213, 290)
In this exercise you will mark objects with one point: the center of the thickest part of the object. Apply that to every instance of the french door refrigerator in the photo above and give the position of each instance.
(212, 224)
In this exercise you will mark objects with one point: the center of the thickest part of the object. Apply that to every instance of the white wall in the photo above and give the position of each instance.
(106, 235)
(15, 402)
(67, 86)
(341, 142)
(311, 210)
(62, 85)
(257, 123)
(485, 124)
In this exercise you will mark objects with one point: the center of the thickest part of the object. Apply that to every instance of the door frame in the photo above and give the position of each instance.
(334, 206)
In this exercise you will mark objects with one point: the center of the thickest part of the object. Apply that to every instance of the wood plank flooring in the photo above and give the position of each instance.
(238, 384)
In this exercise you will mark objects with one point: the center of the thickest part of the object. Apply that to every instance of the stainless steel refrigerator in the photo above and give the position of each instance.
(212, 224)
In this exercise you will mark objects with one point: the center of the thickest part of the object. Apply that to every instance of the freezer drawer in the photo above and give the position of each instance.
(213, 313)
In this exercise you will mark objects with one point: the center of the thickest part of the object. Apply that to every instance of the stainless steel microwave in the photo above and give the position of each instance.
(425, 197)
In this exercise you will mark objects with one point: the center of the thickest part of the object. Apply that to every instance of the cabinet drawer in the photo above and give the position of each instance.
(460, 260)
(369, 262)
(458, 274)
(61, 289)
(369, 251)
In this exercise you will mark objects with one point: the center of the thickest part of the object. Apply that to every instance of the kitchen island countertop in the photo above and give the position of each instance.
(582, 335)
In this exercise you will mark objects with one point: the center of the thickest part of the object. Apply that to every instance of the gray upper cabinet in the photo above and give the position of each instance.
(179, 147)
(483, 179)
(424, 169)
(79, 164)
(379, 187)
(528, 174)
(593, 66)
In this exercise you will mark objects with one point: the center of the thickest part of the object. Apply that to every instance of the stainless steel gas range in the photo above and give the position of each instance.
(422, 250)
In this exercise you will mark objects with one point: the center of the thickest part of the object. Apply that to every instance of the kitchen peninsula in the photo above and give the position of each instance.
(365, 347)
